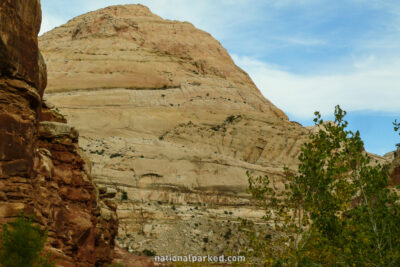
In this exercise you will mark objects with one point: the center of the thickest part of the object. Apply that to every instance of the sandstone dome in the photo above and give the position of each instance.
(166, 116)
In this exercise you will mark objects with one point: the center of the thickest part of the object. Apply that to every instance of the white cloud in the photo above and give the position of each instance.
(365, 63)
(50, 21)
(285, 3)
(302, 41)
(220, 18)
(375, 88)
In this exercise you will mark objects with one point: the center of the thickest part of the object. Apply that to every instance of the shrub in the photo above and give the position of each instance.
(230, 118)
(124, 196)
(337, 210)
(22, 244)
(115, 155)
(228, 233)
(148, 253)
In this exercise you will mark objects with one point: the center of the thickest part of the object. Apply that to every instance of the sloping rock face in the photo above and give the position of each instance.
(42, 169)
(170, 123)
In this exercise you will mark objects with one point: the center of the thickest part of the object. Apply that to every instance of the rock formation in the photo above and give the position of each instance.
(170, 123)
(395, 167)
(167, 117)
(42, 169)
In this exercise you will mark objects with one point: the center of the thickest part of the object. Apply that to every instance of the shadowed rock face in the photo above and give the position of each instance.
(395, 168)
(19, 83)
(42, 169)
(166, 116)
(19, 26)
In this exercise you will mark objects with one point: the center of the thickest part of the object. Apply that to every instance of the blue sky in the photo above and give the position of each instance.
(304, 55)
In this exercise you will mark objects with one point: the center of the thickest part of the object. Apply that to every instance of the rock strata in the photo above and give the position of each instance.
(170, 123)
(42, 169)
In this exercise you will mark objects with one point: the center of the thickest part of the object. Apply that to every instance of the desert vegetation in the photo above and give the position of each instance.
(337, 210)
(22, 244)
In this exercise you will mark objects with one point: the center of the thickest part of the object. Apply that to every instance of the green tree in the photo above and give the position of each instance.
(396, 126)
(22, 244)
(336, 210)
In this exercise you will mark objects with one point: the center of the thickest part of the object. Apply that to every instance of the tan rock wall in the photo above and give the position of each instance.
(167, 118)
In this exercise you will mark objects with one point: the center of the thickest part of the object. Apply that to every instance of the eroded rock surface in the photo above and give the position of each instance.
(42, 169)
(169, 122)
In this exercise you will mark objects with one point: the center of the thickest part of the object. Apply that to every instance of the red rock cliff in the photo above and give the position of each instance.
(42, 169)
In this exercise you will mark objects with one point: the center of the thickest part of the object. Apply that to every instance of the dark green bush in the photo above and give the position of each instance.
(22, 244)
(124, 195)
(148, 253)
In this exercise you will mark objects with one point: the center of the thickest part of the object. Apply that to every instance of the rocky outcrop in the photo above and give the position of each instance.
(20, 98)
(42, 169)
(19, 54)
(170, 123)
(82, 223)
(395, 167)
